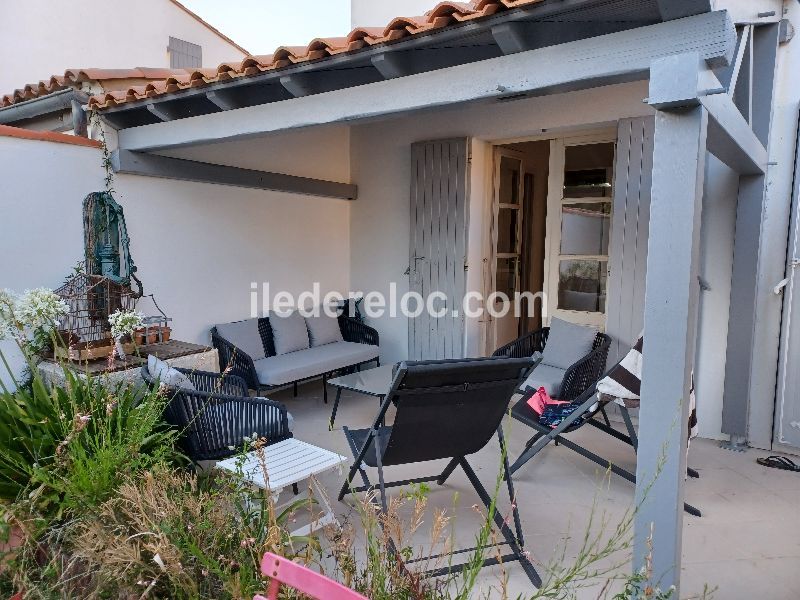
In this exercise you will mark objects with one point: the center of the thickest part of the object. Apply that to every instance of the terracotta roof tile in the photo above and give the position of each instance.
(47, 136)
(441, 15)
(109, 80)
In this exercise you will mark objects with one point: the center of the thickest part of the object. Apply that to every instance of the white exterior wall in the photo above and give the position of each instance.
(772, 255)
(40, 38)
(380, 218)
(381, 168)
(198, 246)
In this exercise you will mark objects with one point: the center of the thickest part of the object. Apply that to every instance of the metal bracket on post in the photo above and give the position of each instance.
(737, 443)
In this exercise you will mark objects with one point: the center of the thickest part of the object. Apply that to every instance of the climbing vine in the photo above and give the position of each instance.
(94, 119)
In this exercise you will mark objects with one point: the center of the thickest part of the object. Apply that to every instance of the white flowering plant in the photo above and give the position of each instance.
(40, 309)
(31, 318)
(8, 322)
(125, 322)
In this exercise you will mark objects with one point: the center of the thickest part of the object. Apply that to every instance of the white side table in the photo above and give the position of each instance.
(289, 462)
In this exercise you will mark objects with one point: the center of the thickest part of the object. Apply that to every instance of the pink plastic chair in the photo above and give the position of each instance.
(283, 571)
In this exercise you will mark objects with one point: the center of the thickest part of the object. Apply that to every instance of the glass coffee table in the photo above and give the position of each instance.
(372, 382)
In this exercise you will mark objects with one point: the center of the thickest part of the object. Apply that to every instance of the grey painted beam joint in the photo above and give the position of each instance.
(223, 100)
(152, 165)
(163, 112)
(678, 9)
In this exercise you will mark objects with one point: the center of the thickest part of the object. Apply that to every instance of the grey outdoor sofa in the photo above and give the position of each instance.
(250, 349)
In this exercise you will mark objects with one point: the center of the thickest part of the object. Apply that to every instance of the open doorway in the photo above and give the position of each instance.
(551, 231)
(519, 233)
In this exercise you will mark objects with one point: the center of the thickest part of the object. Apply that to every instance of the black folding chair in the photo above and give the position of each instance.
(445, 409)
(588, 408)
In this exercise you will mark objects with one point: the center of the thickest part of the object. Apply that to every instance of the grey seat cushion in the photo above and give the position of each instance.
(245, 336)
(289, 332)
(567, 343)
(286, 368)
(546, 376)
(323, 329)
(167, 375)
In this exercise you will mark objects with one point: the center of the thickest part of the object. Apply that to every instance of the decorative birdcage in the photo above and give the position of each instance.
(91, 299)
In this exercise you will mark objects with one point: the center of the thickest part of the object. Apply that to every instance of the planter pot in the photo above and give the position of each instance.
(152, 335)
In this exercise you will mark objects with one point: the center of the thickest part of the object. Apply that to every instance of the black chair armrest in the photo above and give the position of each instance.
(215, 426)
(355, 331)
(586, 371)
(226, 384)
(235, 361)
(524, 346)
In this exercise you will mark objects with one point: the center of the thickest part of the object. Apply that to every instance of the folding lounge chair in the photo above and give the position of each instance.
(445, 409)
(589, 407)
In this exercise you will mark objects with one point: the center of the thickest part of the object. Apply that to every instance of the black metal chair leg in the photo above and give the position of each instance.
(295, 389)
(605, 416)
(511, 540)
(325, 387)
(335, 407)
(448, 470)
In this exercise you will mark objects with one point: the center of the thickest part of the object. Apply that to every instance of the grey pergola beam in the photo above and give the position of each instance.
(297, 85)
(151, 165)
(223, 100)
(678, 9)
(731, 139)
(765, 52)
(391, 65)
(671, 301)
(163, 112)
(602, 60)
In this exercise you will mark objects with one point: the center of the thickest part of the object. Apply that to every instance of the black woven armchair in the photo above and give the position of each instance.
(216, 417)
(577, 377)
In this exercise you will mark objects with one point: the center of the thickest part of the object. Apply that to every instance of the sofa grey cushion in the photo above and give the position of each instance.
(286, 368)
(567, 343)
(545, 376)
(289, 332)
(323, 330)
(244, 335)
(167, 375)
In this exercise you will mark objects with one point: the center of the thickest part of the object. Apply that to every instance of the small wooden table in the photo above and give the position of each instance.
(288, 463)
(372, 382)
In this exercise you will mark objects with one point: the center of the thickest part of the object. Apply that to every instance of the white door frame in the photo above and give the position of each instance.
(555, 199)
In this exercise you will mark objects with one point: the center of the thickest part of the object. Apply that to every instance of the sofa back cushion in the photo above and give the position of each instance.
(289, 332)
(245, 336)
(323, 329)
(567, 343)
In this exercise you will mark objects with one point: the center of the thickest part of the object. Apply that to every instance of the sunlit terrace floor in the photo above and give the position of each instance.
(747, 544)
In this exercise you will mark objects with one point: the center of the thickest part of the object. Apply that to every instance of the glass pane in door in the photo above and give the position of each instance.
(585, 228)
(582, 285)
(509, 180)
(507, 276)
(588, 171)
(507, 229)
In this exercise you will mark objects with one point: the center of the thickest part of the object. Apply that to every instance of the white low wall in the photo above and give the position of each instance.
(198, 246)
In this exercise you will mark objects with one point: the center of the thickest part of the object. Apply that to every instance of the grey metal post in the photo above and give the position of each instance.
(742, 317)
(671, 300)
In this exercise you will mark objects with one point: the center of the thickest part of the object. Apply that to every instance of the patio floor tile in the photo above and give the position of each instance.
(747, 542)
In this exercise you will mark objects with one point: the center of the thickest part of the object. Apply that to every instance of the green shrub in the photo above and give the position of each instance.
(67, 448)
